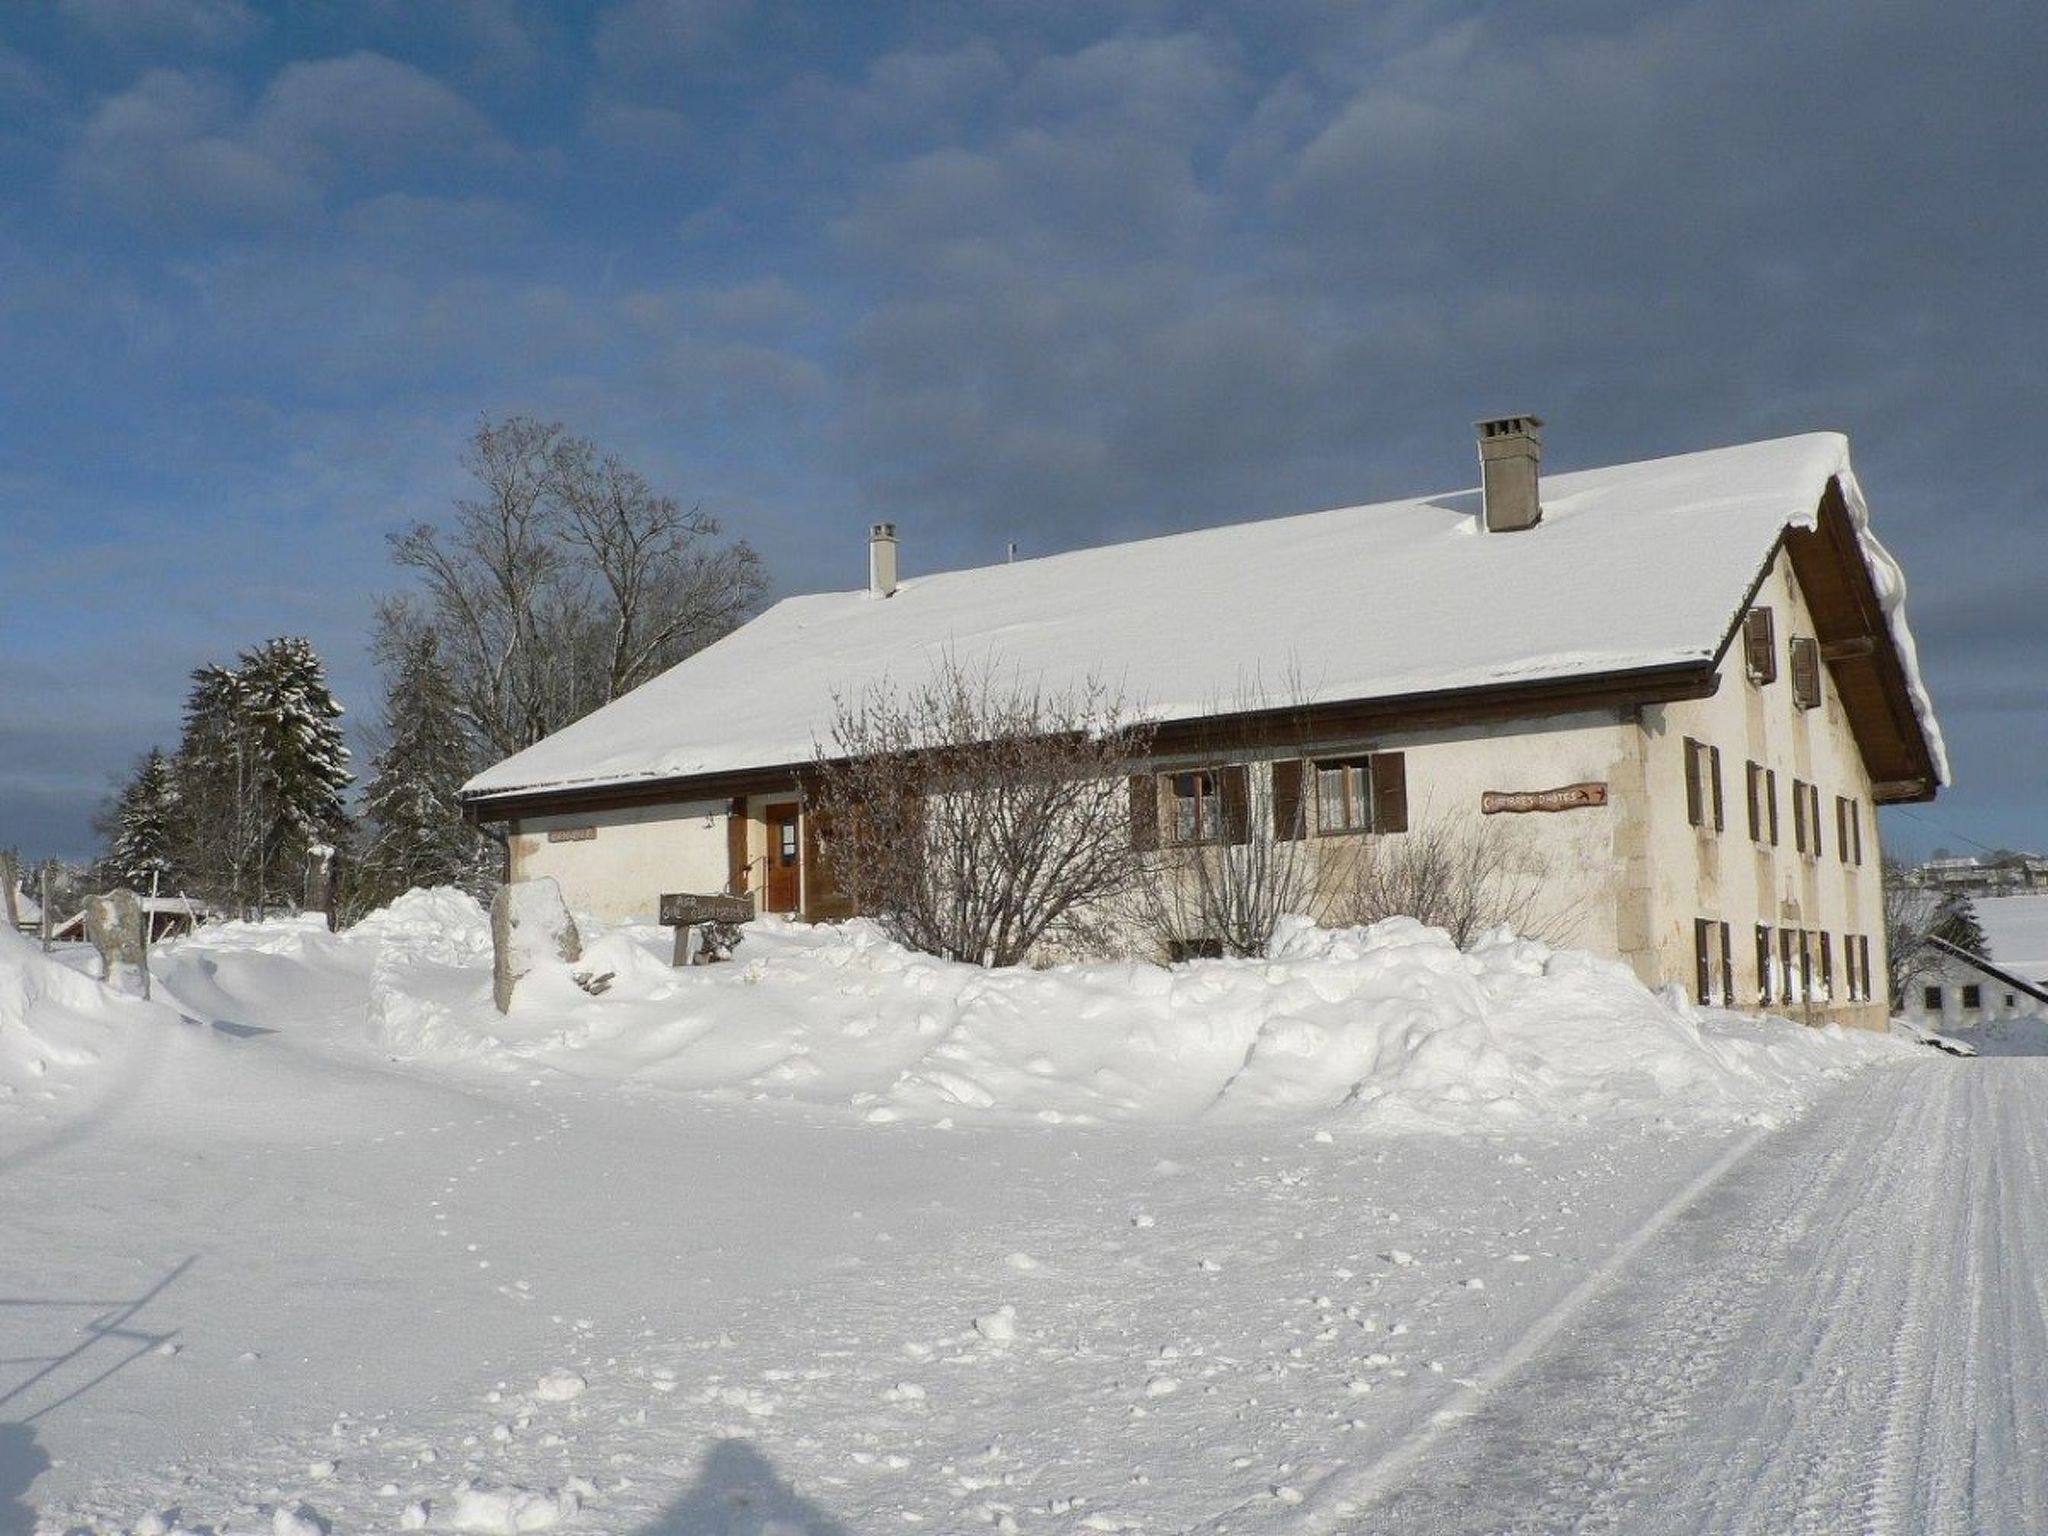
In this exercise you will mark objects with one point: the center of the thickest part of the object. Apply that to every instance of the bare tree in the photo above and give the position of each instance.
(975, 818)
(1463, 876)
(1912, 916)
(565, 581)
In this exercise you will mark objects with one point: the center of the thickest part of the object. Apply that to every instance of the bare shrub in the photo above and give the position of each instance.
(1222, 885)
(1463, 876)
(975, 819)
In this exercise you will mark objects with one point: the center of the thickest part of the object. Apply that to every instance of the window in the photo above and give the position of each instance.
(1852, 971)
(1848, 830)
(1709, 945)
(1352, 795)
(1703, 785)
(1344, 795)
(2012, 999)
(1806, 833)
(1193, 806)
(1973, 996)
(1930, 999)
(1806, 672)
(1786, 937)
(1763, 966)
(1863, 965)
(1805, 965)
(1827, 967)
(1760, 646)
(1197, 807)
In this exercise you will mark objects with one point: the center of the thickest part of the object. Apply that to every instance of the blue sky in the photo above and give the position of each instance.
(1057, 273)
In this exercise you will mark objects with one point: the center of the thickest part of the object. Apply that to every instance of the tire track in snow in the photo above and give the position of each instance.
(1844, 1334)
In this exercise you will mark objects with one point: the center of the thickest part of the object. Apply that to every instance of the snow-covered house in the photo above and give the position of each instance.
(1953, 989)
(1689, 681)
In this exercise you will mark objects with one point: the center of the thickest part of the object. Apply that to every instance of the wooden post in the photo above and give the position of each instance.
(148, 928)
(49, 920)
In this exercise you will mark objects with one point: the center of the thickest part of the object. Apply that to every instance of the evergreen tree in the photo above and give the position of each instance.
(303, 762)
(259, 774)
(417, 835)
(1956, 921)
(142, 826)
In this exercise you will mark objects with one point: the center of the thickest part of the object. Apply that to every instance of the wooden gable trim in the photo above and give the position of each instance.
(1856, 647)
(1256, 732)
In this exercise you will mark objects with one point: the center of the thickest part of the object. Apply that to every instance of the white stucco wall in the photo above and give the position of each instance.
(1724, 875)
(620, 872)
(1449, 771)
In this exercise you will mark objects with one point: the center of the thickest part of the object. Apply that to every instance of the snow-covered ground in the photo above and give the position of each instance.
(837, 1239)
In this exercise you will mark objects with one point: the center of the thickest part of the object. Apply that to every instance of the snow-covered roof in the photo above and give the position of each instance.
(2016, 933)
(1635, 566)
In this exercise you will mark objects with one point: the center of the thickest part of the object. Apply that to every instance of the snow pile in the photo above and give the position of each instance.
(1389, 1026)
(55, 1021)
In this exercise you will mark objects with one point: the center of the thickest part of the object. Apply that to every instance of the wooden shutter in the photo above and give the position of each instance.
(1144, 811)
(1236, 786)
(1289, 825)
(1390, 792)
(1827, 965)
(1702, 962)
(1771, 801)
(1806, 672)
(1714, 762)
(1760, 645)
(1756, 802)
(736, 846)
(1799, 816)
(1813, 826)
(1727, 970)
(1695, 801)
(1763, 966)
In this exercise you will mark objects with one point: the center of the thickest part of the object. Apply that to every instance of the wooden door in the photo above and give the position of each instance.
(785, 859)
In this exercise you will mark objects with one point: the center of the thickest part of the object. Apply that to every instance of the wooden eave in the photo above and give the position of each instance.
(1856, 645)
(1250, 731)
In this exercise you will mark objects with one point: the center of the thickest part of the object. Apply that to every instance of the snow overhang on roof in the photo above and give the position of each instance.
(1639, 570)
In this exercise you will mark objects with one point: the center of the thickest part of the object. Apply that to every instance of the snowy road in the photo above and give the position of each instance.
(1845, 1334)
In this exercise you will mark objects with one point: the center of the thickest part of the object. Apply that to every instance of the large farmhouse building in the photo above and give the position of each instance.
(1689, 682)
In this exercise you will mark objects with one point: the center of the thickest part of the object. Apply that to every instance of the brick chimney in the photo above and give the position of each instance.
(882, 559)
(1510, 448)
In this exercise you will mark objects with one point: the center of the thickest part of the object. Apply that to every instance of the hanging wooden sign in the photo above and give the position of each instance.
(1571, 797)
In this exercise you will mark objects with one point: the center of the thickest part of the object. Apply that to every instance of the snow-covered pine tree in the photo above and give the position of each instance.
(143, 827)
(1956, 921)
(290, 716)
(416, 833)
(217, 842)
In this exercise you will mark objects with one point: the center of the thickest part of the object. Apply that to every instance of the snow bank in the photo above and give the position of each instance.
(1388, 1027)
(56, 1022)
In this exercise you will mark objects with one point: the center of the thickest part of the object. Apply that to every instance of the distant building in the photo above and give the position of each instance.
(2005, 874)
(1689, 682)
(1957, 989)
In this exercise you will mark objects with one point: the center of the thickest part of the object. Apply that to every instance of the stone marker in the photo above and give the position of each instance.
(113, 923)
(530, 923)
